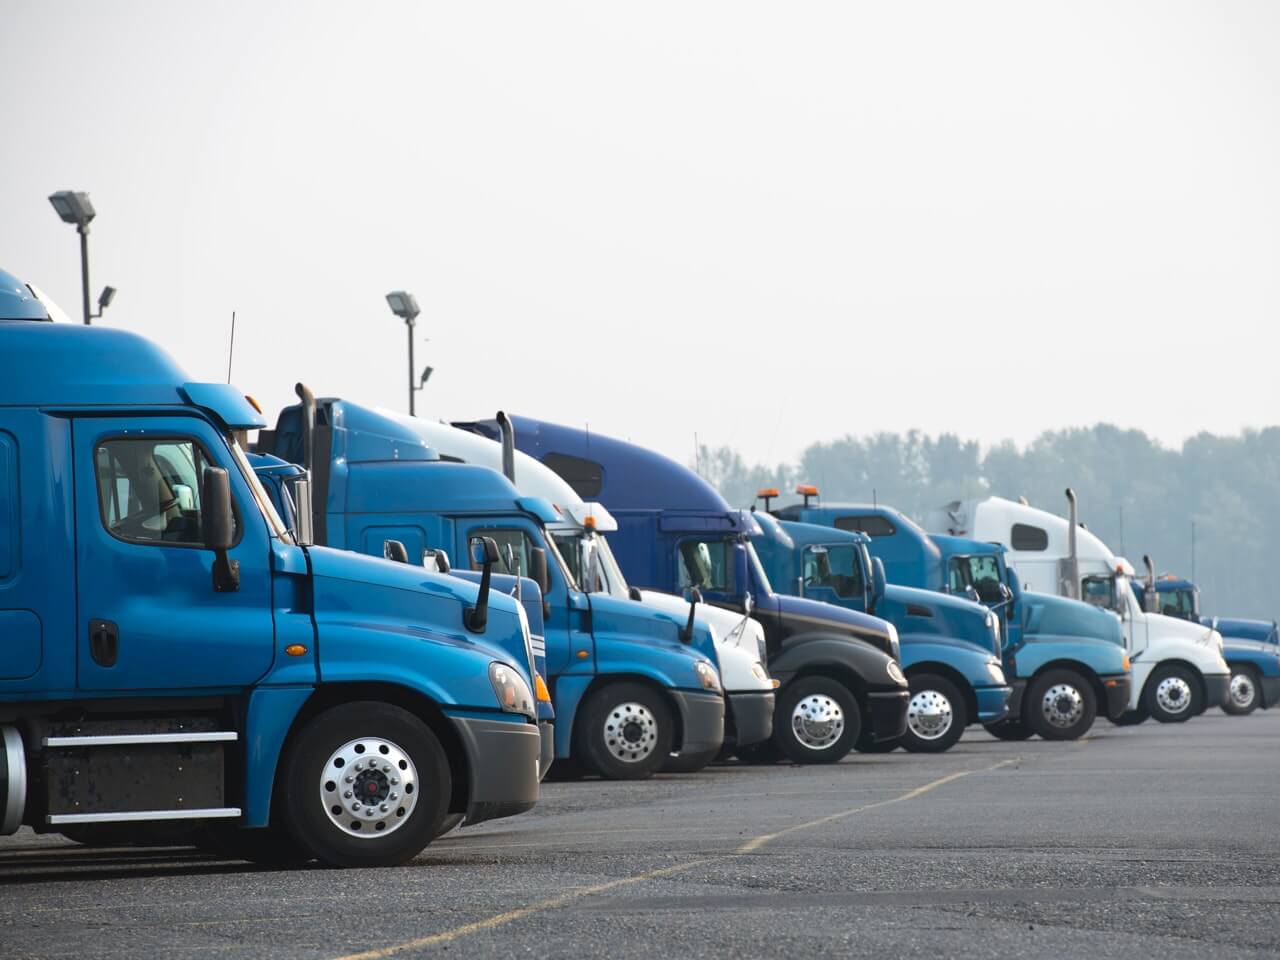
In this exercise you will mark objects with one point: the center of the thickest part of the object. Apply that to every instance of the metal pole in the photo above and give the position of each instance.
(410, 325)
(1193, 551)
(83, 230)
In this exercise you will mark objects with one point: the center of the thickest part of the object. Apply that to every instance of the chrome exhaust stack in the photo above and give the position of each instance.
(1073, 555)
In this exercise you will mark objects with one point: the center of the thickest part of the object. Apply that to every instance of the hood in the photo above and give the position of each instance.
(1232, 629)
(1045, 614)
(805, 616)
(410, 600)
(732, 628)
(1173, 628)
(929, 613)
(638, 620)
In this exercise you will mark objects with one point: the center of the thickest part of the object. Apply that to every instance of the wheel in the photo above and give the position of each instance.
(936, 714)
(450, 822)
(1131, 718)
(1060, 705)
(689, 762)
(1173, 694)
(817, 720)
(1008, 729)
(766, 751)
(1242, 698)
(365, 785)
(625, 732)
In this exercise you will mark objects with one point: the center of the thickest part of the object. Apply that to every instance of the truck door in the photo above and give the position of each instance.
(147, 614)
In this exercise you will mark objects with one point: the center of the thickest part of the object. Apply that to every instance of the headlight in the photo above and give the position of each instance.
(895, 673)
(994, 671)
(707, 676)
(759, 672)
(512, 692)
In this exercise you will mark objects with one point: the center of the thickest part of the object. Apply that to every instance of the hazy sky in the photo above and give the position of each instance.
(766, 223)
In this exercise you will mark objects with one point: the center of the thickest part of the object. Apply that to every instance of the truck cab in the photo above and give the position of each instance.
(581, 536)
(630, 686)
(1065, 661)
(1250, 647)
(950, 645)
(1178, 669)
(841, 682)
(176, 660)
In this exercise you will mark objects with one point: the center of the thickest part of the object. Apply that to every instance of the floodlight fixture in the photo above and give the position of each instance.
(73, 206)
(404, 305)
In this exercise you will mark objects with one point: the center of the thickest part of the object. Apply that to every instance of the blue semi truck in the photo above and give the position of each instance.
(175, 659)
(630, 685)
(1064, 659)
(950, 645)
(1250, 647)
(841, 682)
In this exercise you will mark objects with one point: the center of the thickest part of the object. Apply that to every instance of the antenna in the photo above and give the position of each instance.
(231, 350)
(874, 502)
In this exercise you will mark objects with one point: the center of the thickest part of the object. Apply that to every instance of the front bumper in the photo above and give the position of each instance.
(887, 713)
(547, 751)
(749, 716)
(503, 759)
(993, 703)
(1217, 687)
(1119, 687)
(1270, 689)
(701, 721)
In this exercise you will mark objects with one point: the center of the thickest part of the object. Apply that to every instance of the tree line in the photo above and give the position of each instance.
(1204, 510)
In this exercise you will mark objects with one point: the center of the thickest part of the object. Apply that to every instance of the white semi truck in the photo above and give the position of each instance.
(1178, 669)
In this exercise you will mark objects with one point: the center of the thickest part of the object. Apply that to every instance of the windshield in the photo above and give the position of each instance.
(980, 571)
(591, 562)
(615, 582)
(267, 508)
(1179, 603)
(762, 578)
(836, 568)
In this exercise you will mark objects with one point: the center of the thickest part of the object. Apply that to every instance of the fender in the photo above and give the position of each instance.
(269, 718)
(807, 651)
(1100, 656)
(969, 661)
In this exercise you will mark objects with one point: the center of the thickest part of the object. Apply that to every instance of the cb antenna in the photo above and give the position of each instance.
(231, 350)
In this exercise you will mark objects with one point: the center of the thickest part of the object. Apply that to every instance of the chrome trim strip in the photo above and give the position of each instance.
(141, 739)
(208, 813)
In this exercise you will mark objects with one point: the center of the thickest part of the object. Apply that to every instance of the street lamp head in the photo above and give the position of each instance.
(73, 206)
(426, 375)
(104, 300)
(403, 305)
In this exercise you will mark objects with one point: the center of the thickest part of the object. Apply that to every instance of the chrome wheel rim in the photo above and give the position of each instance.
(369, 787)
(1174, 695)
(817, 721)
(1242, 690)
(630, 732)
(1062, 705)
(929, 715)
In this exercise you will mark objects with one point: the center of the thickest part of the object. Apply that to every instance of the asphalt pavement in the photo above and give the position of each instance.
(1134, 842)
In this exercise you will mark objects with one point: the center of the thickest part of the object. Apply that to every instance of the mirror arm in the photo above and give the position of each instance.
(226, 573)
(686, 632)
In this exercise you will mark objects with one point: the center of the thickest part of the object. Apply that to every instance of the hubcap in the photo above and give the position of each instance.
(630, 732)
(369, 787)
(817, 721)
(1174, 695)
(1062, 705)
(929, 715)
(1242, 689)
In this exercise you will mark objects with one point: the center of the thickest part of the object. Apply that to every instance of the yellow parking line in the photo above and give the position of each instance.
(577, 893)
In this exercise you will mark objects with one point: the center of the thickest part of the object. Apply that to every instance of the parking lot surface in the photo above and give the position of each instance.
(1135, 842)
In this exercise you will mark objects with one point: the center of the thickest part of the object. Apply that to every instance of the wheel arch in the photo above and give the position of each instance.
(1075, 666)
(954, 676)
(1176, 662)
(602, 680)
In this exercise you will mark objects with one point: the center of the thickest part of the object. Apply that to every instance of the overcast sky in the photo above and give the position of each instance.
(768, 224)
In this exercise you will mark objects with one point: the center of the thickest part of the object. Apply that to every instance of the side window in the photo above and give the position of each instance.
(149, 490)
(873, 525)
(1023, 536)
(585, 476)
(956, 581)
(513, 543)
(706, 565)
(835, 568)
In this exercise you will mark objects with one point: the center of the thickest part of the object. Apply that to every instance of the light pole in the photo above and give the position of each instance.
(73, 206)
(405, 306)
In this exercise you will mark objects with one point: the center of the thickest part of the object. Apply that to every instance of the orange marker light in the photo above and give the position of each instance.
(540, 688)
(582, 654)
(589, 522)
(768, 492)
(295, 650)
(806, 489)
(253, 403)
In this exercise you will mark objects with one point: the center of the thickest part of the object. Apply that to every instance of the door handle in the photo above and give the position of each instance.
(104, 642)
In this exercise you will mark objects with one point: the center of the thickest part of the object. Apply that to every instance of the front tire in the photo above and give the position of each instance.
(1243, 697)
(1008, 729)
(936, 714)
(625, 732)
(1173, 694)
(366, 784)
(817, 720)
(1061, 705)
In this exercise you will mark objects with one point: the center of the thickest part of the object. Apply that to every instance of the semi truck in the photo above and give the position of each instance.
(1250, 647)
(175, 658)
(581, 536)
(1178, 669)
(630, 685)
(950, 645)
(841, 681)
(1064, 660)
